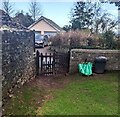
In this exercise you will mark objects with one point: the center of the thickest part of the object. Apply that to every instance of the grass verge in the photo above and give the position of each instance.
(80, 95)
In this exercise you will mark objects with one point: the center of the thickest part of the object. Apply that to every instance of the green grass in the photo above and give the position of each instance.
(94, 95)
(90, 97)
(25, 101)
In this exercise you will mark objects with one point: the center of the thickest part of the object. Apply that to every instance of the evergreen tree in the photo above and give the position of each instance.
(67, 28)
(26, 20)
(92, 16)
(82, 15)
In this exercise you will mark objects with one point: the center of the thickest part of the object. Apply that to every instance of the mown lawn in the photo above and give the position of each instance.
(94, 95)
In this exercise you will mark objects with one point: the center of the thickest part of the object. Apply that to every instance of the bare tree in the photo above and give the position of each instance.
(8, 7)
(35, 9)
(102, 20)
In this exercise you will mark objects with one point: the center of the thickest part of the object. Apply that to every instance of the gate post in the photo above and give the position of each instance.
(53, 65)
(34, 39)
(68, 60)
(37, 63)
(41, 55)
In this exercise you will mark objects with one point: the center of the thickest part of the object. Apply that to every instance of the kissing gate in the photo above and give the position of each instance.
(52, 64)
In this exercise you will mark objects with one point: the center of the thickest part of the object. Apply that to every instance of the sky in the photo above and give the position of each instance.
(59, 12)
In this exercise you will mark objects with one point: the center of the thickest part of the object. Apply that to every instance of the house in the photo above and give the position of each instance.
(45, 26)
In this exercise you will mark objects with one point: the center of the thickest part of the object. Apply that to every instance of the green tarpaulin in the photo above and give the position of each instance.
(85, 68)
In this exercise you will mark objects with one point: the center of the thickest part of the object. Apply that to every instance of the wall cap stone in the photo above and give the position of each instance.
(95, 51)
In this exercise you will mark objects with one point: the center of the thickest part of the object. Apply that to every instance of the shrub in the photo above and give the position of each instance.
(109, 40)
(74, 39)
(84, 39)
(56, 40)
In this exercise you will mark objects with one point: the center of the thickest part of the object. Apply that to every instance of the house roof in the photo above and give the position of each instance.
(50, 22)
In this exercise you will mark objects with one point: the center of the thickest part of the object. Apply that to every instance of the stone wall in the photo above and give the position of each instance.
(79, 55)
(18, 62)
(0, 74)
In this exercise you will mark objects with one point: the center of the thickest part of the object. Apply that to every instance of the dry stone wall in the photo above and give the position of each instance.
(18, 61)
(0, 74)
(79, 55)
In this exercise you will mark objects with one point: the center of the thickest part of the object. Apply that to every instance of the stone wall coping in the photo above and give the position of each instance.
(95, 51)
(14, 30)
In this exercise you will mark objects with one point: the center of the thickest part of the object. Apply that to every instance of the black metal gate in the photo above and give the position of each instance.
(52, 64)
